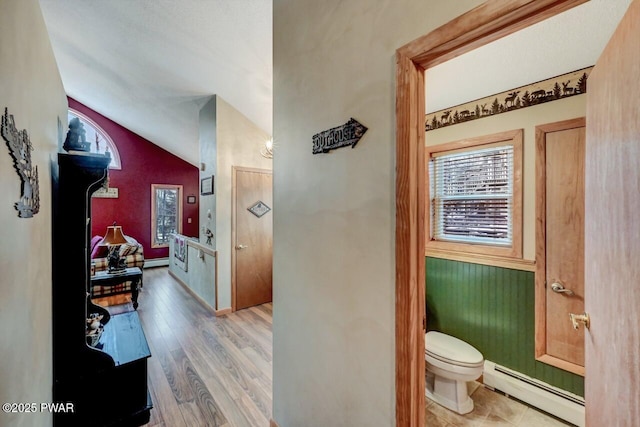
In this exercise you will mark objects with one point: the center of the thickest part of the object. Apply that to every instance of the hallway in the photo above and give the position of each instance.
(204, 370)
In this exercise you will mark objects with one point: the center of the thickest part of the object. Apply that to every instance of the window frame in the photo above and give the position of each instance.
(435, 247)
(154, 188)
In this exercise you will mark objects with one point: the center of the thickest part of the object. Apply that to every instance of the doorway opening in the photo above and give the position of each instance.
(488, 22)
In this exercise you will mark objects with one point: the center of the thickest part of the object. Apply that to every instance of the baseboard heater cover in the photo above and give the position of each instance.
(555, 401)
(156, 262)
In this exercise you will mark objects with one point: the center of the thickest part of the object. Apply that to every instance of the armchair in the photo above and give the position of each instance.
(133, 254)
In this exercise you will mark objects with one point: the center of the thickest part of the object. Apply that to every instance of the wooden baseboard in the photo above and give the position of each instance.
(273, 423)
(194, 295)
(223, 311)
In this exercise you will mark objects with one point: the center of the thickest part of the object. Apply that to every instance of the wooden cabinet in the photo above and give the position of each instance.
(107, 384)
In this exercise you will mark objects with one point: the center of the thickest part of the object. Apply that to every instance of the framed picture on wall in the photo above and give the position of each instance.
(206, 186)
(191, 200)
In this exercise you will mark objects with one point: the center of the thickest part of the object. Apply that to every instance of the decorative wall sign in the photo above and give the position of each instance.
(552, 89)
(20, 149)
(341, 136)
(259, 209)
(106, 193)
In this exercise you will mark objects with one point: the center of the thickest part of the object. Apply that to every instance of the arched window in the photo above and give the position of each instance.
(99, 139)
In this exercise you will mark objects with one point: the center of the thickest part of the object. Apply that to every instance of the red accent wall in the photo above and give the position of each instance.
(143, 164)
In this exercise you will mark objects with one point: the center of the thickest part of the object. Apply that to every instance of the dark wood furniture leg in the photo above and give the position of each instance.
(134, 292)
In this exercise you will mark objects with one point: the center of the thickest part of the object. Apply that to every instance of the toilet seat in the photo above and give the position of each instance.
(451, 350)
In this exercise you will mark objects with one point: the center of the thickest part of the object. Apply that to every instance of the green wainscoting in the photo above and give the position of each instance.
(491, 308)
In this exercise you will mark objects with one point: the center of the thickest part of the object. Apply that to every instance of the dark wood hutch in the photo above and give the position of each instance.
(107, 384)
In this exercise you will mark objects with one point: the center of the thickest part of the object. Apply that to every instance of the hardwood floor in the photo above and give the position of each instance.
(217, 371)
(204, 370)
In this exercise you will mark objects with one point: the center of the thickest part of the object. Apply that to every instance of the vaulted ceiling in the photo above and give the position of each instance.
(150, 65)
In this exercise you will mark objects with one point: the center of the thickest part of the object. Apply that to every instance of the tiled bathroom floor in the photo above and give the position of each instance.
(490, 409)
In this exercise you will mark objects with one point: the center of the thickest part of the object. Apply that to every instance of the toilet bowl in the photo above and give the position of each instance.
(451, 363)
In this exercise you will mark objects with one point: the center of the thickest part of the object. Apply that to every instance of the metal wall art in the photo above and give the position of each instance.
(341, 136)
(20, 149)
(560, 87)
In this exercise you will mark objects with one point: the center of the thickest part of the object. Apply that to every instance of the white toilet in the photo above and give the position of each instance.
(451, 363)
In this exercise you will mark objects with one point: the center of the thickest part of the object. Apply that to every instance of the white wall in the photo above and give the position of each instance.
(200, 276)
(334, 228)
(227, 139)
(208, 155)
(239, 144)
(31, 88)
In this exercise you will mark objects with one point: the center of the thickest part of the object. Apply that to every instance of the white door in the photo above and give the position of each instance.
(612, 231)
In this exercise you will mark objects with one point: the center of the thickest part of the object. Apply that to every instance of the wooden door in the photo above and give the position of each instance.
(252, 238)
(560, 243)
(612, 230)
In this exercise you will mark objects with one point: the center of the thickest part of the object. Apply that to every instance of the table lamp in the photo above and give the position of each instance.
(113, 239)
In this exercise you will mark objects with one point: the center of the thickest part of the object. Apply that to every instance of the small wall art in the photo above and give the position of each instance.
(259, 208)
(191, 200)
(206, 186)
(20, 149)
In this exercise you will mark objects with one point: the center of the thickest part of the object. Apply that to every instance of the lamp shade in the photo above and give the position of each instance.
(113, 236)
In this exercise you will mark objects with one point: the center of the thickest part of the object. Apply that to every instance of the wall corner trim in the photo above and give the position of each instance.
(223, 311)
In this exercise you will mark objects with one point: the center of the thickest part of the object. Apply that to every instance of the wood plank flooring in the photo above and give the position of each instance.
(217, 371)
(204, 370)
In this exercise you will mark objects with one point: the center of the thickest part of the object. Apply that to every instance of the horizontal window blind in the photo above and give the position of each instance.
(472, 196)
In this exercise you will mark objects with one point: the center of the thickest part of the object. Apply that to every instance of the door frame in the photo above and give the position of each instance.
(541, 244)
(234, 218)
(488, 22)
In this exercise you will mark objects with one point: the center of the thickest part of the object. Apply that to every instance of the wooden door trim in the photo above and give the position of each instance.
(234, 171)
(488, 22)
(541, 238)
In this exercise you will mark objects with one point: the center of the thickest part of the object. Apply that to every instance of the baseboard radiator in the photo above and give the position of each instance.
(561, 403)
(156, 262)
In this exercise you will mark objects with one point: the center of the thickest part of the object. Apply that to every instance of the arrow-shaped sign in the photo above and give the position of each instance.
(341, 136)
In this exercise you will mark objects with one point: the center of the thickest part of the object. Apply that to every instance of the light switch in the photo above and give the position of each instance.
(188, 220)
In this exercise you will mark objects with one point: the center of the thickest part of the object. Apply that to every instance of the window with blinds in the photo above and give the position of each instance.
(472, 196)
(475, 203)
